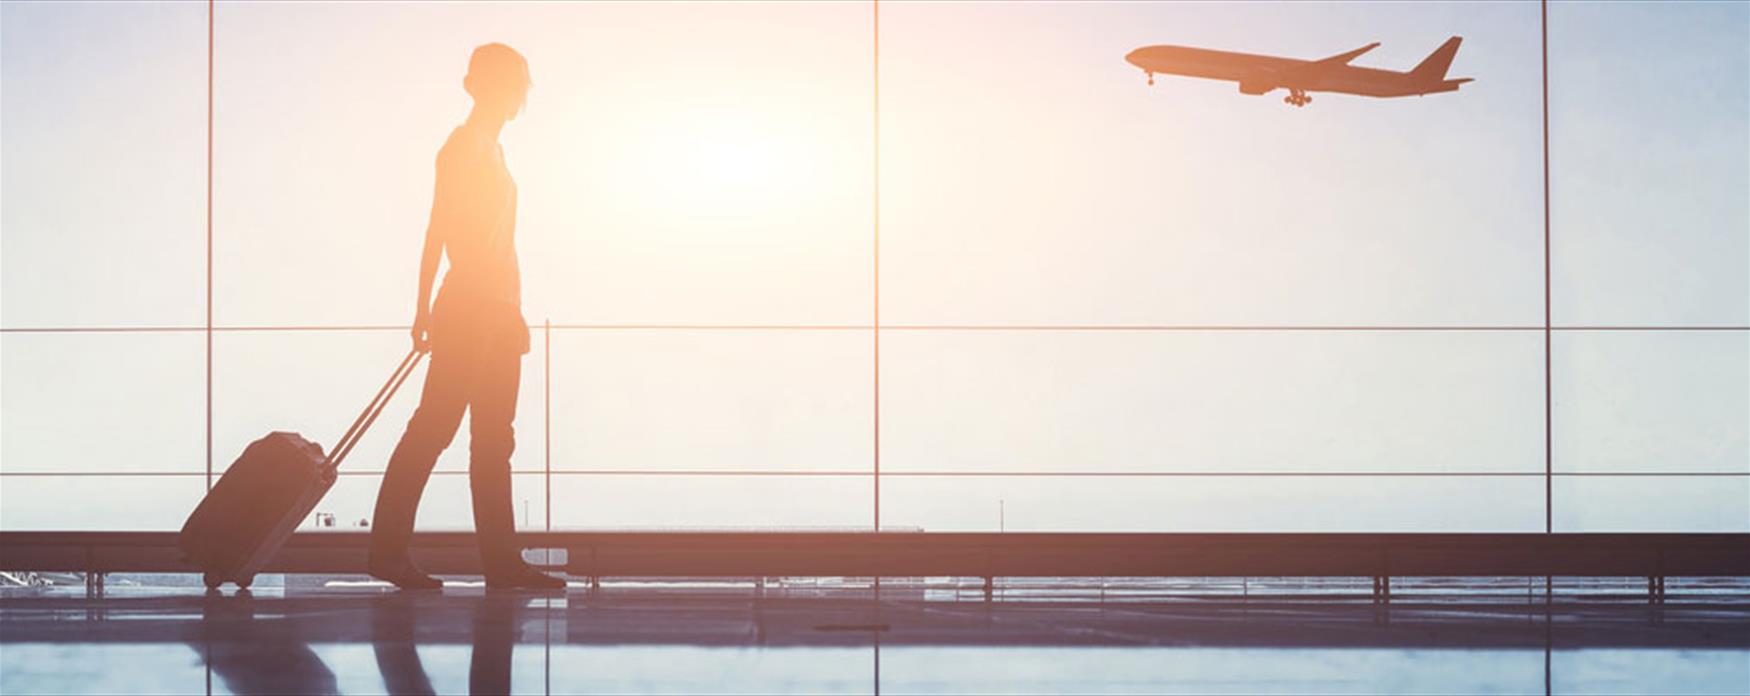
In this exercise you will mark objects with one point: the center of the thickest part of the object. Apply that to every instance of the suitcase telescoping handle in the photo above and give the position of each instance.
(375, 408)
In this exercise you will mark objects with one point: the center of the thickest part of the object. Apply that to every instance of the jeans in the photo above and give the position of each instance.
(479, 377)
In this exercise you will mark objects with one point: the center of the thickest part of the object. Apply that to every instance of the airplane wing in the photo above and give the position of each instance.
(1344, 58)
(1265, 80)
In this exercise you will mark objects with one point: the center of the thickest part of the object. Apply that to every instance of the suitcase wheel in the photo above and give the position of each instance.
(212, 580)
(243, 582)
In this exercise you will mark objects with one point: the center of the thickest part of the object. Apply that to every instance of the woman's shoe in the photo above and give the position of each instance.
(523, 578)
(403, 573)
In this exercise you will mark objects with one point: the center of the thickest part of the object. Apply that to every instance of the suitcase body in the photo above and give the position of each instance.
(268, 492)
(255, 507)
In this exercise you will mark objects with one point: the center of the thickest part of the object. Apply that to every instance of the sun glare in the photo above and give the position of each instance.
(729, 161)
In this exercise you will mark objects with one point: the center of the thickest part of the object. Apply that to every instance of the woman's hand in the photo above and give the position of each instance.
(422, 332)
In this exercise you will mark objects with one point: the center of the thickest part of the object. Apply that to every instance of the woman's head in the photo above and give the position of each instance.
(498, 79)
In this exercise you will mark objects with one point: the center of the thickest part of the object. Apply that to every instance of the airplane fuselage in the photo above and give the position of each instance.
(1258, 74)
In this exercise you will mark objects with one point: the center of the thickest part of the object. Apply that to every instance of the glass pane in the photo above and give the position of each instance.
(103, 114)
(675, 163)
(1652, 402)
(1030, 175)
(445, 505)
(90, 402)
(316, 382)
(1213, 504)
(712, 502)
(1212, 401)
(721, 400)
(163, 503)
(1649, 122)
(1652, 504)
(99, 503)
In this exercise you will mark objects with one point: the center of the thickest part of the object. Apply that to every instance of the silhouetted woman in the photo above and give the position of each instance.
(476, 335)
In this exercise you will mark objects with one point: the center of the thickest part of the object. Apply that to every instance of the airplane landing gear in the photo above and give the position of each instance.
(1297, 97)
(1151, 77)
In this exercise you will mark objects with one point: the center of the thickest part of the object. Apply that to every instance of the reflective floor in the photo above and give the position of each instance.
(650, 638)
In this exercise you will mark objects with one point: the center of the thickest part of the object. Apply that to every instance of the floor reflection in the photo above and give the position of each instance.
(248, 654)
(367, 641)
(496, 616)
(393, 642)
(254, 645)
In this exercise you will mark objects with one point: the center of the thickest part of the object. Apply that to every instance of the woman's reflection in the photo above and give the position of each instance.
(495, 629)
(257, 656)
(397, 654)
(493, 621)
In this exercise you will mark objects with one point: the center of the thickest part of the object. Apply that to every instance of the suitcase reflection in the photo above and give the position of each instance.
(255, 652)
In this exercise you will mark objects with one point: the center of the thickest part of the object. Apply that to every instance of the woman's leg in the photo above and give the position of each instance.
(492, 438)
(441, 404)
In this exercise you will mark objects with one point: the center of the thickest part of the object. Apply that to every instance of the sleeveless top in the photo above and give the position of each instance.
(480, 301)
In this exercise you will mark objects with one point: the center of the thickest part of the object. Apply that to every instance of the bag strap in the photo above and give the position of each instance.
(375, 408)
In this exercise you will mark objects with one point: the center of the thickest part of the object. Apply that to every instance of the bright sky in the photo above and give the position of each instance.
(712, 163)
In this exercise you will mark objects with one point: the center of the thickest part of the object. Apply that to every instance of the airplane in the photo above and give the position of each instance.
(1260, 74)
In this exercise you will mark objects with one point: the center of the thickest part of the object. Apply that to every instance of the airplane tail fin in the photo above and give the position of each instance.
(1433, 68)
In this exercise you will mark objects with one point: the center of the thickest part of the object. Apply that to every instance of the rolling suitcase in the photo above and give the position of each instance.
(267, 492)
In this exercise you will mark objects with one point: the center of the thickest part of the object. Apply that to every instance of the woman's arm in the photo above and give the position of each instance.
(428, 267)
(444, 211)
